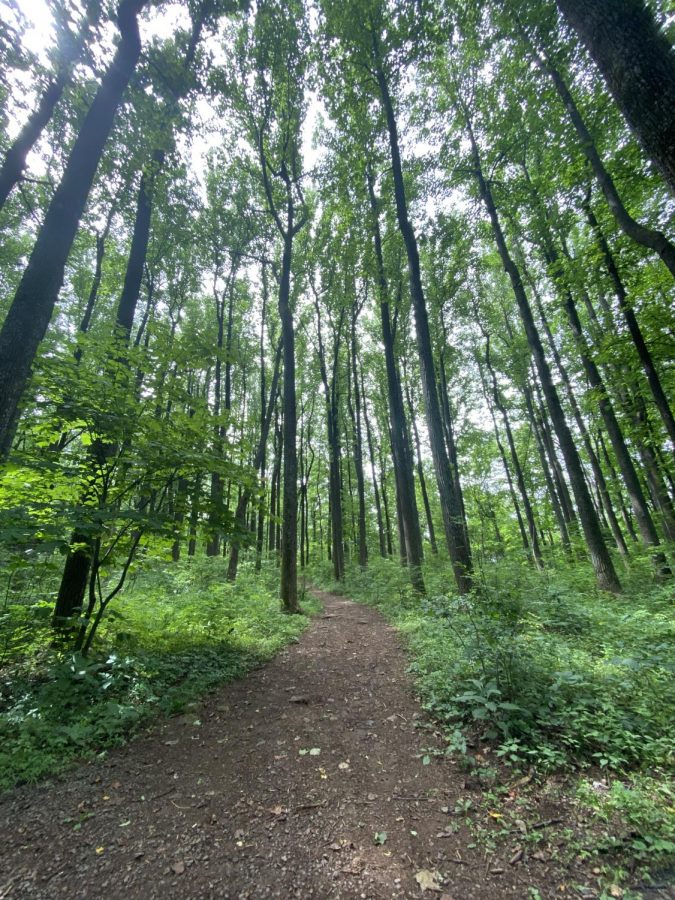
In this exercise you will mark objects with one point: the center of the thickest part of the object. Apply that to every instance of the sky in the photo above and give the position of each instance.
(39, 36)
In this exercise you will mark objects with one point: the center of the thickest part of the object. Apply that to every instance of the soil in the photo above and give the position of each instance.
(312, 777)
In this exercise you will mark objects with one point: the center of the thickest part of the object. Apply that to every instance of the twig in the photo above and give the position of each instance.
(545, 824)
(159, 796)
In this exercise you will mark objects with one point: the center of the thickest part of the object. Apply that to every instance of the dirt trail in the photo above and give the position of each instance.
(233, 799)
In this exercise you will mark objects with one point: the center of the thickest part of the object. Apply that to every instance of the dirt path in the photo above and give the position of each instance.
(275, 787)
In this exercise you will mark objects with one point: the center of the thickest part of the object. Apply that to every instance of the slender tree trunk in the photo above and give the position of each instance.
(376, 490)
(358, 450)
(289, 528)
(420, 474)
(258, 463)
(456, 538)
(625, 463)
(449, 432)
(403, 468)
(600, 558)
(598, 475)
(385, 505)
(518, 469)
(31, 309)
(647, 237)
(637, 62)
(634, 329)
(550, 486)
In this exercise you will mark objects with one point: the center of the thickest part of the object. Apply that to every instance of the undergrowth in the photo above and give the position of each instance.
(177, 632)
(553, 674)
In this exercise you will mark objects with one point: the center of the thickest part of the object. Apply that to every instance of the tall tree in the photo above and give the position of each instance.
(29, 314)
(638, 64)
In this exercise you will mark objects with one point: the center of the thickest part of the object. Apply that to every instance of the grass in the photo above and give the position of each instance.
(178, 632)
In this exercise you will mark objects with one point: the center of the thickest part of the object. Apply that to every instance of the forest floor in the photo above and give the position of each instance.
(315, 776)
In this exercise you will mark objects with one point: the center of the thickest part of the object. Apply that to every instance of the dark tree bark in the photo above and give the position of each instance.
(634, 329)
(331, 389)
(358, 448)
(420, 473)
(456, 537)
(638, 65)
(76, 568)
(600, 558)
(647, 237)
(550, 485)
(598, 475)
(14, 163)
(31, 309)
(449, 431)
(507, 471)
(385, 504)
(274, 490)
(515, 459)
(400, 446)
(376, 490)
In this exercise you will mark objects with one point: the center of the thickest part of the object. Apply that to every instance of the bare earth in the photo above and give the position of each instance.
(275, 786)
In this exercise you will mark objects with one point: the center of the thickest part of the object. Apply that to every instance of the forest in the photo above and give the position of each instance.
(313, 301)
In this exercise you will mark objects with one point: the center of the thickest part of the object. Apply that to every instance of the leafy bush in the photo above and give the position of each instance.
(180, 630)
(543, 665)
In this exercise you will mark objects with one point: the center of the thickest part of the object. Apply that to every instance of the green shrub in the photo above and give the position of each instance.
(178, 631)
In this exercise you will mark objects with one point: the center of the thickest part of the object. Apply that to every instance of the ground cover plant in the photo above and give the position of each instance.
(551, 676)
(377, 293)
(178, 632)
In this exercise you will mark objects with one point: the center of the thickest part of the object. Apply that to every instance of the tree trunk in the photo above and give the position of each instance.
(638, 64)
(420, 474)
(456, 538)
(258, 463)
(289, 527)
(403, 468)
(358, 451)
(634, 329)
(69, 53)
(600, 558)
(376, 490)
(518, 469)
(31, 310)
(647, 237)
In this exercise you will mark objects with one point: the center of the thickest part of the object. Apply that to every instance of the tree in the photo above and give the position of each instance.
(638, 64)
(29, 314)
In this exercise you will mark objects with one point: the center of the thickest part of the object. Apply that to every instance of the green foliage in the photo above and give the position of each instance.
(180, 630)
(541, 665)
(644, 806)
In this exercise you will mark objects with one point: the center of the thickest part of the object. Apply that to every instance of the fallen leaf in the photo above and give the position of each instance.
(428, 880)
(99, 850)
